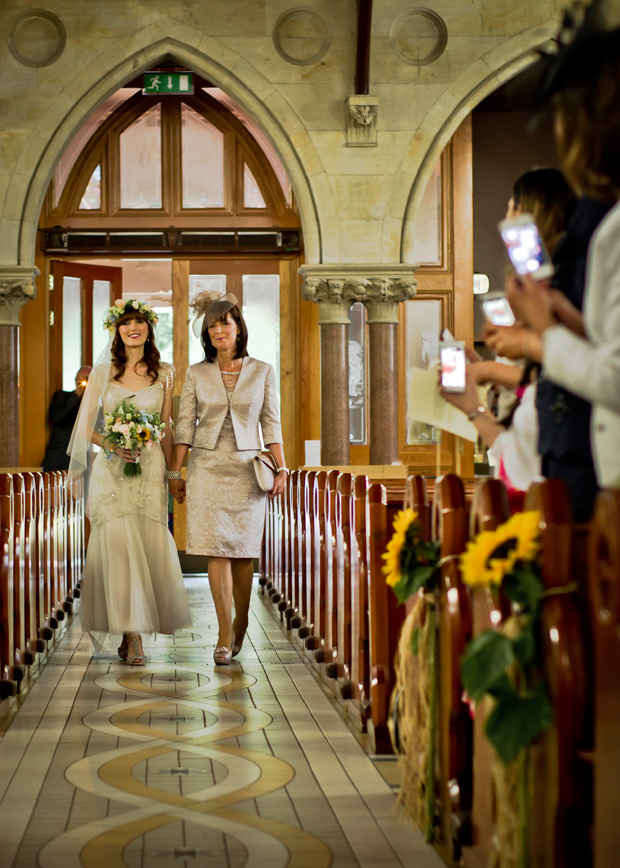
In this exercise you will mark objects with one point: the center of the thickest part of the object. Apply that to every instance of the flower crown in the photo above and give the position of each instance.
(130, 305)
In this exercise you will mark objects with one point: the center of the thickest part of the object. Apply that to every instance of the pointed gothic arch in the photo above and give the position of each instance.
(208, 57)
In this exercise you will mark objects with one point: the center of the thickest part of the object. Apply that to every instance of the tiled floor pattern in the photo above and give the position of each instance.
(180, 764)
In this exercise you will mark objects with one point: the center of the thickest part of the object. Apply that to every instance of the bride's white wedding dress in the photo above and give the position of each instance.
(132, 578)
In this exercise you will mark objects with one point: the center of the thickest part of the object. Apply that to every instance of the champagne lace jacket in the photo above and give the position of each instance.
(205, 401)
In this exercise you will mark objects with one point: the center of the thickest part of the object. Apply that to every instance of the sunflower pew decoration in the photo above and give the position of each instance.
(411, 564)
(506, 665)
(413, 567)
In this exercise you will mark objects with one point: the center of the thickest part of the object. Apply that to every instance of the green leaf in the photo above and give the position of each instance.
(517, 720)
(415, 641)
(524, 645)
(502, 687)
(485, 660)
(401, 589)
(523, 586)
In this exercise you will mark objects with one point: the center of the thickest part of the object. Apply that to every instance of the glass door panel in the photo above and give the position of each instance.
(71, 331)
(261, 311)
(201, 283)
(357, 374)
(102, 290)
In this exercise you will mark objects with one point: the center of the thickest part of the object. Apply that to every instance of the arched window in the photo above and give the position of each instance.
(167, 161)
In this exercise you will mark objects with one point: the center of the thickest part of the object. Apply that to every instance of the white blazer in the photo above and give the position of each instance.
(591, 368)
(204, 405)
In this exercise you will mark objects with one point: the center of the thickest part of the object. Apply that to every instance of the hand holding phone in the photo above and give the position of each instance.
(525, 246)
(453, 366)
(498, 311)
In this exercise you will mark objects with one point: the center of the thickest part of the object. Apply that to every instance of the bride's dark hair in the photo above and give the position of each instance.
(151, 353)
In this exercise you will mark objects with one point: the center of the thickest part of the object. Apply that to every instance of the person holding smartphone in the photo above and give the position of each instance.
(582, 354)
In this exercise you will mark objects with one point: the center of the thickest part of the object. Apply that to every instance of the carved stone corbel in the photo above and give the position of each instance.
(17, 286)
(361, 121)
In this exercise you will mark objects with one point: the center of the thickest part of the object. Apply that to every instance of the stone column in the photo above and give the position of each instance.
(381, 288)
(327, 292)
(17, 286)
(381, 292)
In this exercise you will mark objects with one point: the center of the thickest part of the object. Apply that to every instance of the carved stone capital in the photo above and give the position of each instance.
(327, 292)
(361, 120)
(336, 287)
(17, 286)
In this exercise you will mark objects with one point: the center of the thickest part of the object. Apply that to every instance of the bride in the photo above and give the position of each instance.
(132, 578)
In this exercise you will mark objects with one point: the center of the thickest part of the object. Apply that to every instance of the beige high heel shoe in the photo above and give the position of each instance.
(135, 651)
(223, 655)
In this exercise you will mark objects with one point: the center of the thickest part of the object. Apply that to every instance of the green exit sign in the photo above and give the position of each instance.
(168, 82)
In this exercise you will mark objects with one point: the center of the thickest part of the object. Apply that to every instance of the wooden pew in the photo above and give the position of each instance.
(559, 817)
(454, 785)
(604, 584)
(34, 616)
(356, 690)
(340, 666)
(385, 617)
(8, 683)
(489, 509)
(22, 655)
(329, 640)
(299, 549)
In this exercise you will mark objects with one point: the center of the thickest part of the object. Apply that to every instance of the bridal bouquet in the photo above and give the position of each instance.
(128, 427)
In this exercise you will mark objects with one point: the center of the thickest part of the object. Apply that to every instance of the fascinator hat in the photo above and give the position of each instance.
(209, 306)
(581, 53)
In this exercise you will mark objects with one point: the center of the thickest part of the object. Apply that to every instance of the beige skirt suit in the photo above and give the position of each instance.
(225, 506)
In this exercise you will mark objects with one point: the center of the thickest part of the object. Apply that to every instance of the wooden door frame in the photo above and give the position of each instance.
(87, 274)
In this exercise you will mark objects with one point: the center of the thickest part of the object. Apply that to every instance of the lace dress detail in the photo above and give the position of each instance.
(133, 580)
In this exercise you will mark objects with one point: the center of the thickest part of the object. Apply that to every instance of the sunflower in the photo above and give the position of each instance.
(143, 434)
(493, 554)
(524, 527)
(402, 522)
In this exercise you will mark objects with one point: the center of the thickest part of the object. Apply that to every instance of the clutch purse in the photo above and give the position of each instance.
(265, 470)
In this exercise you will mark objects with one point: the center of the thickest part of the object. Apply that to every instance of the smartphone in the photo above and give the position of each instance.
(498, 311)
(525, 247)
(453, 365)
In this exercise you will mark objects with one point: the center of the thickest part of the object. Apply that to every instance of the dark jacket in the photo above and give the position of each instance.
(563, 418)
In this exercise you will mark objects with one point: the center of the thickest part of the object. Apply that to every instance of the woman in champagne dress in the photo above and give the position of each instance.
(132, 578)
(226, 399)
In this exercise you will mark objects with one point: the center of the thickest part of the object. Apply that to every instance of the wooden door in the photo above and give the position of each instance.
(79, 297)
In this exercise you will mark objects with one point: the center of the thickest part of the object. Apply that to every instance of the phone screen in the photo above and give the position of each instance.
(525, 248)
(453, 368)
(498, 311)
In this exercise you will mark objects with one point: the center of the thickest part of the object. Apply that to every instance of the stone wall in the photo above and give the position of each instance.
(290, 67)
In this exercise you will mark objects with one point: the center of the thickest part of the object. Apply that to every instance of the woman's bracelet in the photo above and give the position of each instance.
(282, 470)
(173, 474)
(477, 412)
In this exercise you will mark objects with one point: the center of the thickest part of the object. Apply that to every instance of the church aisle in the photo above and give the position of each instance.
(180, 764)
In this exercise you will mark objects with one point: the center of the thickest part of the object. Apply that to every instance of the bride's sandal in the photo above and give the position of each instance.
(135, 651)
(122, 648)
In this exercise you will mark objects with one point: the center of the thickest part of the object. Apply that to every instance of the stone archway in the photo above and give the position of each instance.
(438, 127)
(208, 57)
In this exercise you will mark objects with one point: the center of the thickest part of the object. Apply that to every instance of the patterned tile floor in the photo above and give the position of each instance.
(179, 764)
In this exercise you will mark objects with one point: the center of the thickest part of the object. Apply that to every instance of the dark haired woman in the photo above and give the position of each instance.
(132, 578)
(224, 401)
(582, 353)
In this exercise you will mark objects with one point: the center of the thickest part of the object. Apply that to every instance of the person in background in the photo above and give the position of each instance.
(62, 415)
(587, 126)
